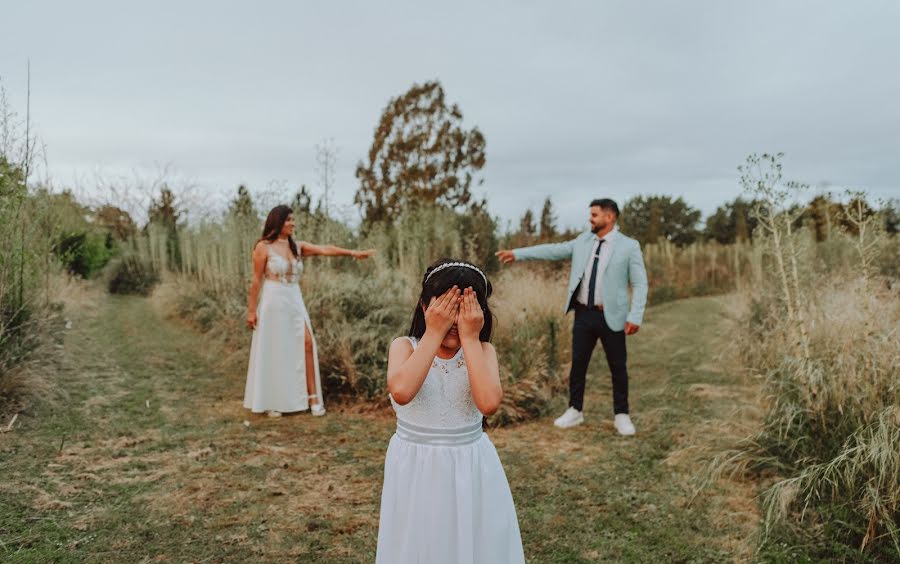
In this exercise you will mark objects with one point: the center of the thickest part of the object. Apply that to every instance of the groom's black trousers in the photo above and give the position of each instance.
(590, 325)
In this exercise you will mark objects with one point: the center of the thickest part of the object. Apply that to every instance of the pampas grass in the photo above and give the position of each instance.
(821, 332)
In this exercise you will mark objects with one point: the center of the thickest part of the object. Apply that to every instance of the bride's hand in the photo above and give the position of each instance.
(471, 316)
(362, 255)
(442, 312)
(251, 320)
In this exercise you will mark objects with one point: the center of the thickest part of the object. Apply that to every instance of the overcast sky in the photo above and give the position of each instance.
(576, 99)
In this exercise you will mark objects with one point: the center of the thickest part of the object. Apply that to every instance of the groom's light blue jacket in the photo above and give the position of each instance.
(625, 267)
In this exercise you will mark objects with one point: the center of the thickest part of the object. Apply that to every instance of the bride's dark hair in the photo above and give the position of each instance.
(462, 277)
(275, 223)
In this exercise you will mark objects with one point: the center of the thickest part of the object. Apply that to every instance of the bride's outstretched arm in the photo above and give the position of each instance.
(312, 250)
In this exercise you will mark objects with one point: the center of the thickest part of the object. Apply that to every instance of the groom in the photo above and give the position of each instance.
(604, 264)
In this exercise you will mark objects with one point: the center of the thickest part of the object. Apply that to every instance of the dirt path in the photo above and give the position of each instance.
(143, 454)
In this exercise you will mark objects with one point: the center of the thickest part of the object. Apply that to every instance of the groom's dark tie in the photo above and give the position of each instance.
(592, 284)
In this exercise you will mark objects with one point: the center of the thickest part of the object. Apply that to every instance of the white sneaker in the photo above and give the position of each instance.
(624, 425)
(317, 410)
(570, 418)
(273, 413)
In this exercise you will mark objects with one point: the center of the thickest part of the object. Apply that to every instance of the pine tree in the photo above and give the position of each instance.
(164, 212)
(302, 201)
(548, 221)
(242, 206)
(526, 225)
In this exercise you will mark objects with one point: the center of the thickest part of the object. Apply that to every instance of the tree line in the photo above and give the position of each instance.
(423, 156)
(653, 218)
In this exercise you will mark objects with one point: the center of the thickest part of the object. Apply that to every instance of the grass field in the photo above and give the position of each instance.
(143, 452)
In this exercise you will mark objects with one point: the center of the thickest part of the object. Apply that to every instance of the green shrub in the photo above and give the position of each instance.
(132, 275)
(86, 253)
(701, 289)
(355, 318)
(663, 294)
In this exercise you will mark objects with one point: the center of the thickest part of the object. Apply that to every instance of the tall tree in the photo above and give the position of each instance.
(526, 225)
(823, 214)
(548, 221)
(650, 218)
(242, 206)
(302, 201)
(732, 221)
(890, 210)
(117, 221)
(478, 231)
(164, 212)
(421, 154)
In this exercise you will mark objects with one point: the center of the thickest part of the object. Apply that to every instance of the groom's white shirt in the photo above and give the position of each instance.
(605, 253)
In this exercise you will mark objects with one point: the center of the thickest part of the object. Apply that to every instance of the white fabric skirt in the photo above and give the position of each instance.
(276, 374)
(446, 500)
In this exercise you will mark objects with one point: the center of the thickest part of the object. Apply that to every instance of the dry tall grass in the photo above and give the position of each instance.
(699, 269)
(834, 418)
(820, 330)
(28, 268)
(535, 340)
(27, 376)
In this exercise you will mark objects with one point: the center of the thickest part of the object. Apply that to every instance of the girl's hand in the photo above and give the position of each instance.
(442, 312)
(251, 319)
(471, 317)
(362, 255)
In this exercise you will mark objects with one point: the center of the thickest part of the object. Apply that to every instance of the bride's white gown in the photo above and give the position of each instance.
(446, 499)
(276, 375)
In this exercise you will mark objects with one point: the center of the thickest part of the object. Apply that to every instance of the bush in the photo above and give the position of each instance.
(663, 294)
(85, 254)
(355, 318)
(132, 275)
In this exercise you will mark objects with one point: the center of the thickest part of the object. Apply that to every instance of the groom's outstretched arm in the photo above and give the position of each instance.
(549, 251)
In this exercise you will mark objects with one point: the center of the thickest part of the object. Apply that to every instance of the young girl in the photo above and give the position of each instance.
(445, 496)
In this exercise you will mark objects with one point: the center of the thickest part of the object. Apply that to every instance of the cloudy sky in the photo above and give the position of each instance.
(576, 99)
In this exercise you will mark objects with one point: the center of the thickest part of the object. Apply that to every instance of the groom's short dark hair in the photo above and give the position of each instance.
(606, 204)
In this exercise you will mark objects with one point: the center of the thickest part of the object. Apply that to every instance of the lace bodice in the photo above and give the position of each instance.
(445, 399)
(278, 267)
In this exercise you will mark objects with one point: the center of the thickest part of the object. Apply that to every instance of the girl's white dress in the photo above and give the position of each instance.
(445, 497)
(276, 375)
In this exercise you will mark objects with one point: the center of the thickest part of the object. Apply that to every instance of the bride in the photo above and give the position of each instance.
(283, 373)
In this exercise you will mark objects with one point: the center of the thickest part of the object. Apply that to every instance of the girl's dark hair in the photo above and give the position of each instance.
(275, 223)
(462, 277)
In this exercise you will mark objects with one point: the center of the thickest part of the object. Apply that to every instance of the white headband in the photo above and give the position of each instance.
(452, 264)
